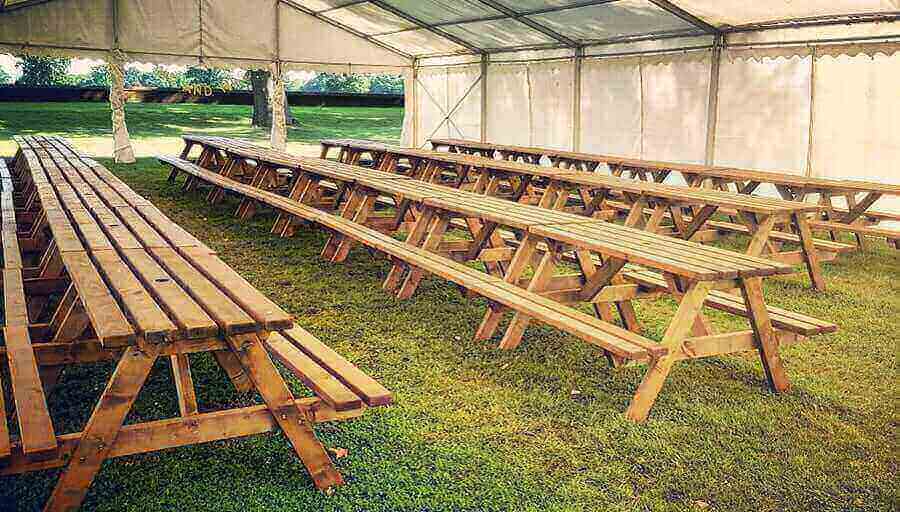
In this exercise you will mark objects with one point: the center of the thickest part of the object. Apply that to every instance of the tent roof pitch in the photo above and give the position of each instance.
(425, 28)
(441, 27)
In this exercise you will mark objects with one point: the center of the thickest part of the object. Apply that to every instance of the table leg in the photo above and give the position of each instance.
(294, 421)
(542, 276)
(184, 384)
(432, 243)
(415, 237)
(100, 432)
(678, 330)
(184, 154)
(520, 261)
(810, 254)
(766, 339)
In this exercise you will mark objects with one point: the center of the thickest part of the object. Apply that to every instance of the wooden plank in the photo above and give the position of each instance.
(192, 321)
(316, 378)
(372, 393)
(35, 426)
(268, 314)
(178, 432)
(149, 320)
(230, 318)
(107, 319)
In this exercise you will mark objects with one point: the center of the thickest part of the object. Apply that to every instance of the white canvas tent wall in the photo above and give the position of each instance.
(806, 86)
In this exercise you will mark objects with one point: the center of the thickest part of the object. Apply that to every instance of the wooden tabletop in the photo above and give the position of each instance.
(671, 193)
(683, 258)
(169, 283)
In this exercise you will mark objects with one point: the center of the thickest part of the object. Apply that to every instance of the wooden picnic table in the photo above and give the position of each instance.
(647, 204)
(617, 264)
(107, 276)
(856, 217)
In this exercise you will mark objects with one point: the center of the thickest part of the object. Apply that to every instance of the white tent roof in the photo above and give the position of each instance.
(389, 33)
(429, 27)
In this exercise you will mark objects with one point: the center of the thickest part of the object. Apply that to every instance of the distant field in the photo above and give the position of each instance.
(157, 128)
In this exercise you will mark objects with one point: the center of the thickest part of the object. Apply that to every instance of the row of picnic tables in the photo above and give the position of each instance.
(857, 214)
(614, 264)
(95, 272)
(691, 213)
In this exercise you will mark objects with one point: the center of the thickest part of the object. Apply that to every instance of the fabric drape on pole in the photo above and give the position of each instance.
(856, 133)
(410, 113)
(675, 89)
(611, 106)
(764, 110)
(278, 133)
(122, 151)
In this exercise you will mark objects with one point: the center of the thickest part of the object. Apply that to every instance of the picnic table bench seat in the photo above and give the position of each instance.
(119, 281)
(544, 237)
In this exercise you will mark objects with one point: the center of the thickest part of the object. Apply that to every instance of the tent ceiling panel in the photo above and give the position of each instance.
(420, 42)
(333, 45)
(224, 36)
(322, 5)
(741, 12)
(63, 23)
(445, 11)
(160, 26)
(498, 34)
(613, 20)
(522, 6)
(245, 30)
(368, 19)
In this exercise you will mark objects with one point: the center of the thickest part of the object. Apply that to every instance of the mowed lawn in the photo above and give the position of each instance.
(536, 429)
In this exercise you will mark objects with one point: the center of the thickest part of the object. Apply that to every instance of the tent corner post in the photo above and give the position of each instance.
(485, 60)
(277, 99)
(576, 99)
(712, 100)
(122, 150)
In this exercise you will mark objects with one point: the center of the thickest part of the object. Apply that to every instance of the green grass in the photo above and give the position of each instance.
(157, 128)
(475, 428)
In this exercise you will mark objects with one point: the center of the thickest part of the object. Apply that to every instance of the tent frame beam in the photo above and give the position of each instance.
(685, 16)
(341, 26)
(513, 15)
(421, 24)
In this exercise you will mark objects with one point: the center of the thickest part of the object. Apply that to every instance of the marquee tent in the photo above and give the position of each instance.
(802, 86)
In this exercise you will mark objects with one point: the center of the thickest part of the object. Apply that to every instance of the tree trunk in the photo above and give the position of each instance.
(259, 81)
(262, 112)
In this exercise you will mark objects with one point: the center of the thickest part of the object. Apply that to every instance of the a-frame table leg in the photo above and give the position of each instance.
(517, 266)
(294, 421)
(810, 253)
(431, 243)
(767, 340)
(679, 328)
(100, 432)
(539, 281)
(184, 384)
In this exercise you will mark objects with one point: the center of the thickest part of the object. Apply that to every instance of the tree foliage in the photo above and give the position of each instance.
(5, 78)
(331, 82)
(39, 71)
